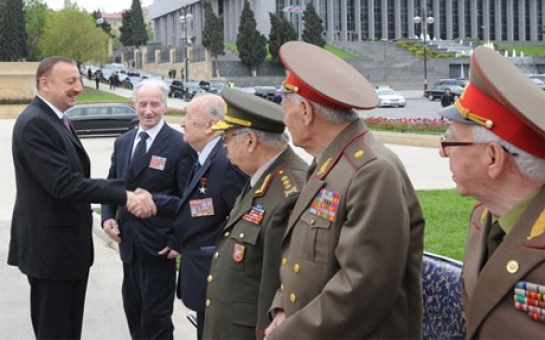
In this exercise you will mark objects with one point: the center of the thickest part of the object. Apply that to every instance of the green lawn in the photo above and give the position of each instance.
(93, 96)
(529, 50)
(447, 216)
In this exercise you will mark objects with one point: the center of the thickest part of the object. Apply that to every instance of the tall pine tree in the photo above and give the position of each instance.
(312, 33)
(212, 35)
(251, 44)
(12, 31)
(281, 31)
(139, 27)
(127, 28)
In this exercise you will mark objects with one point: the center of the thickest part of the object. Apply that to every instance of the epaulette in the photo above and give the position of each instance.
(287, 182)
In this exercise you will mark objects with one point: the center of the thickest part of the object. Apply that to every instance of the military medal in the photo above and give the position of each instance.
(530, 298)
(202, 185)
(157, 162)
(238, 252)
(255, 215)
(326, 205)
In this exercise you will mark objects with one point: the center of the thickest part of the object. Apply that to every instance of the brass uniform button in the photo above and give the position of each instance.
(216, 255)
(284, 261)
(282, 287)
(512, 266)
(312, 222)
(208, 302)
(296, 268)
(209, 278)
(241, 235)
(227, 233)
(293, 298)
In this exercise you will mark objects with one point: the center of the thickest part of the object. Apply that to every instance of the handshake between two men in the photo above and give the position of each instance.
(140, 204)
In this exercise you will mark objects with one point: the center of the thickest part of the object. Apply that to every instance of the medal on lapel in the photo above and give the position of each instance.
(202, 185)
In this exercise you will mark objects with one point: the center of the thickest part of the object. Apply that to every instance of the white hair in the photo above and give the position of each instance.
(334, 116)
(151, 83)
(269, 139)
(530, 165)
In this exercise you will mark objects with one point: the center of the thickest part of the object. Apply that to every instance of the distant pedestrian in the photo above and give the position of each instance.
(97, 78)
(174, 73)
(89, 73)
(112, 81)
(447, 98)
(182, 73)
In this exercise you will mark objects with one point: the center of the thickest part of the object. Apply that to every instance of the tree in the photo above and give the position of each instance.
(212, 35)
(100, 22)
(82, 42)
(12, 31)
(313, 31)
(126, 29)
(140, 34)
(251, 44)
(35, 14)
(281, 31)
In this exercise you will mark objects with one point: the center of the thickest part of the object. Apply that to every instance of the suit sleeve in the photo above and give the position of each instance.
(234, 183)
(372, 251)
(55, 164)
(110, 210)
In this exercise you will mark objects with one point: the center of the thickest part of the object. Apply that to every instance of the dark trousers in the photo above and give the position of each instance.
(56, 307)
(200, 325)
(148, 298)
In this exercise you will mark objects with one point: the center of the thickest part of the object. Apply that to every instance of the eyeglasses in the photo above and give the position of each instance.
(226, 137)
(445, 144)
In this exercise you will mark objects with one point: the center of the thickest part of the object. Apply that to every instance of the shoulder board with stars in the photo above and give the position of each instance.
(288, 183)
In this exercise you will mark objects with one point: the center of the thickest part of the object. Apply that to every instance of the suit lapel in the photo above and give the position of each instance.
(509, 264)
(160, 142)
(196, 177)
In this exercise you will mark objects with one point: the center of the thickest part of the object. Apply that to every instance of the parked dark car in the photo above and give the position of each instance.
(102, 119)
(176, 88)
(462, 82)
(192, 90)
(437, 91)
(272, 93)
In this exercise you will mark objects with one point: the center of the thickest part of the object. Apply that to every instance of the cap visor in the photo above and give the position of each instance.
(452, 113)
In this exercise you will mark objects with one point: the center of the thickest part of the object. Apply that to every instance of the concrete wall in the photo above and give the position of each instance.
(17, 81)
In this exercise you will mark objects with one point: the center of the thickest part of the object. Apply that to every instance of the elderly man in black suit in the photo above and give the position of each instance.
(147, 246)
(51, 230)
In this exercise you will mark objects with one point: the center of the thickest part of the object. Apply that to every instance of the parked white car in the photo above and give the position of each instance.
(390, 98)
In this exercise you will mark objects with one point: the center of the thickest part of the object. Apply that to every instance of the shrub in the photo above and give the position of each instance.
(428, 126)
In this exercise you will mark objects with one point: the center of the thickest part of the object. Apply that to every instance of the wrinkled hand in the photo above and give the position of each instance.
(111, 229)
(140, 203)
(279, 319)
(169, 252)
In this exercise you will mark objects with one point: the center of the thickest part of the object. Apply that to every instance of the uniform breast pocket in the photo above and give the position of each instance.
(317, 237)
(245, 247)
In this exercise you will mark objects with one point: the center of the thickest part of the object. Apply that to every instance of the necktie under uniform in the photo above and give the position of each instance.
(494, 239)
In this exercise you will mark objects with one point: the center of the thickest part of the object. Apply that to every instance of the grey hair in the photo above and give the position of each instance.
(269, 139)
(151, 83)
(334, 116)
(530, 165)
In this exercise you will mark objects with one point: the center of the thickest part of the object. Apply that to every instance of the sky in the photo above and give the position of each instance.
(107, 6)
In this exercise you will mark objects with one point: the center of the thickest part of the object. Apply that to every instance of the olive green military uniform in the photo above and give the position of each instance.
(352, 253)
(245, 270)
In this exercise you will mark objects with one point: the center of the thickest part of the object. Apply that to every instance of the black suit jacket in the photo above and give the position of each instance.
(219, 182)
(166, 169)
(51, 228)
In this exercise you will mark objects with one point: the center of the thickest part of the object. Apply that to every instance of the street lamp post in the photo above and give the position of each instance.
(423, 29)
(185, 19)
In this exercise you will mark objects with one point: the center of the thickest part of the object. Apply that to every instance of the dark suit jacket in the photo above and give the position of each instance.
(166, 169)
(488, 291)
(245, 275)
(222, 182)
(51, 229)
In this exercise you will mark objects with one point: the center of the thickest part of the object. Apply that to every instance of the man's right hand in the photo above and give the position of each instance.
(111, 229)
(140, 203)
(279, 319)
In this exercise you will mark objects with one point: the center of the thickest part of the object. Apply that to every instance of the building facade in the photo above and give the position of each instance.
(359, 20)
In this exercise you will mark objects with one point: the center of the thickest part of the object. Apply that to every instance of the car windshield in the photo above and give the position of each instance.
(387, 92)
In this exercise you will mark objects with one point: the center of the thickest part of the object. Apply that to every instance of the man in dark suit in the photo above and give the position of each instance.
(206, 202)
(245, 276)
(51, 230)
(147, 246)
(496, 149)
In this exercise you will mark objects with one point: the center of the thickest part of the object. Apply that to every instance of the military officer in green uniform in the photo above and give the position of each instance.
(352, 251)
(245, 268)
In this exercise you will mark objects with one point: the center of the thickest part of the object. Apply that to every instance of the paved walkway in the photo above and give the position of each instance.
(104, 317)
